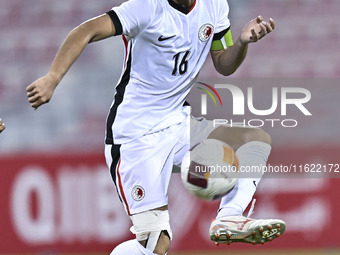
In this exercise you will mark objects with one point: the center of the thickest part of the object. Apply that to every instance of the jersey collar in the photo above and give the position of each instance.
(180, 7)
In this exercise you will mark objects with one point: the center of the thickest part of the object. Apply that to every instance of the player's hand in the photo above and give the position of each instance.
(41, 91)
(256, 30)
(2, 126)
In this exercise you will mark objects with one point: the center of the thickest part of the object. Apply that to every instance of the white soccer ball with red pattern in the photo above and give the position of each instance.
(210, 169)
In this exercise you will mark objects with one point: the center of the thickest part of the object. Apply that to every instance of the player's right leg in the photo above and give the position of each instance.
(141, 171)
(153, 234)
(142, 190)
(152, 229)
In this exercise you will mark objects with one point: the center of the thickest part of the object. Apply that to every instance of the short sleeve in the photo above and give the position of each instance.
(222, 25)
(133, 15)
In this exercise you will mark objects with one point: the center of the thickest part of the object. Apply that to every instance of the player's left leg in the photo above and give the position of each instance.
(252, 148)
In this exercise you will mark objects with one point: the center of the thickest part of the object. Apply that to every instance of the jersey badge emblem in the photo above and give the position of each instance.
(205, 32)
(138, 193)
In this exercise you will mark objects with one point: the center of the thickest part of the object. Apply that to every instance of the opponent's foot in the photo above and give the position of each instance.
(232, 229)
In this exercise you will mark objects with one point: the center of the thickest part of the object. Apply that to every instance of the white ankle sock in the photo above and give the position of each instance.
(131, 247)
(250, 154)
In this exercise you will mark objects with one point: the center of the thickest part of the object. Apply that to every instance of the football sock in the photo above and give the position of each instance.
(131, 247)
(251, 156)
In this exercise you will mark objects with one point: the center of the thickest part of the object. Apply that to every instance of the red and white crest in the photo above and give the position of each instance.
(205, 32)
(138, 193)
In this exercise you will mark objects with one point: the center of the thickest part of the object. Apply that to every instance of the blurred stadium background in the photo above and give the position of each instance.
(56, 193)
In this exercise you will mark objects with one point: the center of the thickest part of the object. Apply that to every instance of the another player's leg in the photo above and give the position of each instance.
(252, 148)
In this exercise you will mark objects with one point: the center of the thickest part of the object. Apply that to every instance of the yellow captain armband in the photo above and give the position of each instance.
(223, 42)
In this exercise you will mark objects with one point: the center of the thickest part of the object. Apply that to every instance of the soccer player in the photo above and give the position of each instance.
(166, 43)
(2, 126)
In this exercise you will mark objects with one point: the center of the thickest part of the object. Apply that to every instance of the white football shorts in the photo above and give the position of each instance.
(141, 169)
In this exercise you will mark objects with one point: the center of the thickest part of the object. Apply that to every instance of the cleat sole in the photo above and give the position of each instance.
(259, 235)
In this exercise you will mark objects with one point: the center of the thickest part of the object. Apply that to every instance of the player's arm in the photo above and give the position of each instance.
(101, 27)
(2, 126)
(227, 60)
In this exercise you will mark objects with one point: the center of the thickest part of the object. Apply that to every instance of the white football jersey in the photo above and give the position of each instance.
(165, 48)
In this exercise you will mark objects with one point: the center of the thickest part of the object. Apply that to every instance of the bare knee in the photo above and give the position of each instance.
(238, 136)
(163, 244)
(259, 135)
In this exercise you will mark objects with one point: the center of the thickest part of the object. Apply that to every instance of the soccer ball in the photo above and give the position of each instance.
(210, 169)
